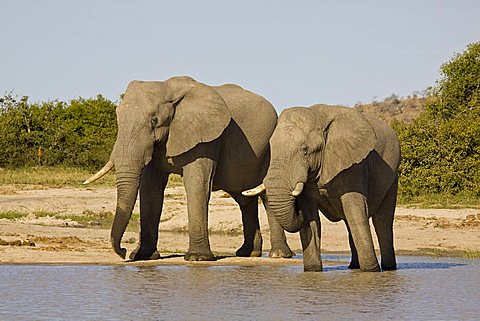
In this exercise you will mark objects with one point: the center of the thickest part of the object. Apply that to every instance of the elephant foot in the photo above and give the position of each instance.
(354, 265)
(248, 251)
(389, 267)
(389, 263)
(375, 268)
(281, 253)
(313, 268)
(190, 256)
(138, 255)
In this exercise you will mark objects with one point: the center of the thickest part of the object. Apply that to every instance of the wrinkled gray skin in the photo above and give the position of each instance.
(216, 137)
(348, 163)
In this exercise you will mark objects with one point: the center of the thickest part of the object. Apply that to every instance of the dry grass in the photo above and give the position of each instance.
(440, 200)
(468, 254)
(56, 177)
(48, 177)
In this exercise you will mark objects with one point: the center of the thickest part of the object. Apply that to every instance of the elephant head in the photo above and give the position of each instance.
(309, 147)
(172, 117)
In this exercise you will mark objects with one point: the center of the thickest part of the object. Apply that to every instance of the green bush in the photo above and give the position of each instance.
(79, 133)
(441, 148)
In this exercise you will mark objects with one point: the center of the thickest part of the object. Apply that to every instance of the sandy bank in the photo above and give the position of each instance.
(51, 240)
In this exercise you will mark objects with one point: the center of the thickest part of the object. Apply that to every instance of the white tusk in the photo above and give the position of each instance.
(298, 189)
(254, 191)
(108, 166)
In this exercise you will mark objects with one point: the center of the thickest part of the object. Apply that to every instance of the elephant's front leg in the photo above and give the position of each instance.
(197, 178)
(356, 213)
(152, 188)
(310, 235)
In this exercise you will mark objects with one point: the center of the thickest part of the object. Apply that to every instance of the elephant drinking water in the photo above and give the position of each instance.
(343, 163)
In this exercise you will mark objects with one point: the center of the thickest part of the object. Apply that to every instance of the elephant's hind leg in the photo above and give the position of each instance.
(383, 223)
(279, 246)
(252, 237)
(354, 260)
(356, 213)
(152, 187)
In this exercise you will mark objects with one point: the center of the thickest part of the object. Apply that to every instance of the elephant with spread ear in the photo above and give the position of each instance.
(343, 163)
(216, 137)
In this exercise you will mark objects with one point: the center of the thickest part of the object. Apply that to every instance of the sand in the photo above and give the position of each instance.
(50, 240)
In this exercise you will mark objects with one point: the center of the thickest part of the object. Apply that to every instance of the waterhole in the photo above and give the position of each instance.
(421, 289)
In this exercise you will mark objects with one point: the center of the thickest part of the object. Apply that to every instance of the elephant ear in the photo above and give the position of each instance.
(349, 139)
(201, 115)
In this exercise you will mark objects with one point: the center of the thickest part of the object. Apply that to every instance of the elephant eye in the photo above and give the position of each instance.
(304, 149)
(154, 121)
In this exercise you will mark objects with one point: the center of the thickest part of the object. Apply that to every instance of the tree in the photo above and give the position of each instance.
(441, 148)
(458, 90)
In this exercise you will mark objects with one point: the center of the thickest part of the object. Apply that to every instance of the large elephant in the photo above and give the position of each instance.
(343, 163)
(216, 137)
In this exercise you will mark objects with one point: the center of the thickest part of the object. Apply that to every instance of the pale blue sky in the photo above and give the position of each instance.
(292, 52)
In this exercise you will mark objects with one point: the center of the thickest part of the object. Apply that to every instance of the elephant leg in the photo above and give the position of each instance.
(152, 187)
(310, 235)
(356, 213)
(310, 238)
(383, 223)
(252, 237)
(197, 178)
(354, 260)
(278, 241)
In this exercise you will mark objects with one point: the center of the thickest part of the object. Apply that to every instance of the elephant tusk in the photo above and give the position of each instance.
(100, 173)
(254, 191)
(298, 189)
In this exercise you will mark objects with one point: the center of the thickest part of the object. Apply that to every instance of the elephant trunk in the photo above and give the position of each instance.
(282, 206)
(127, 190)
(284, 183)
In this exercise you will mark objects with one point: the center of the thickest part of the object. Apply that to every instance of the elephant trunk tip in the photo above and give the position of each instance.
(120, 251)
(296, 225)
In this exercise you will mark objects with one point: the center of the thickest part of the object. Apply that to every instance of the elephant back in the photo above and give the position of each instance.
(387, 145)
(245, 143)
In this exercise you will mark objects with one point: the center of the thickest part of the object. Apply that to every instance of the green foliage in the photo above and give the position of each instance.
(441, 148)
(79, 133)
(458, 90)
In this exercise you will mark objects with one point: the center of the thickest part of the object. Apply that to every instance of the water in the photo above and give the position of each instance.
(421, 289)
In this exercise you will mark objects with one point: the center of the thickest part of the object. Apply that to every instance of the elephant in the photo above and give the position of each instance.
(216, 137)
(343, 163)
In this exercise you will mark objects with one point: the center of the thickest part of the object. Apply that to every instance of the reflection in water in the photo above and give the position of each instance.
(422, 288)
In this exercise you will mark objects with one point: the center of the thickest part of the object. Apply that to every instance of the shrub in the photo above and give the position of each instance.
(79, 133)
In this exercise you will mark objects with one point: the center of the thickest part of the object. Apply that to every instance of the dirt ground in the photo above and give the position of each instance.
(33, 239)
